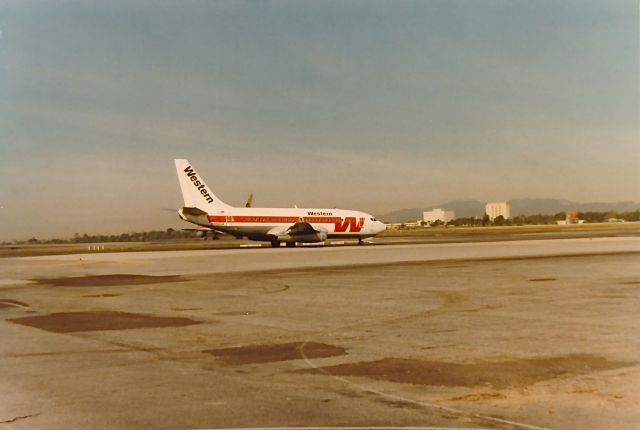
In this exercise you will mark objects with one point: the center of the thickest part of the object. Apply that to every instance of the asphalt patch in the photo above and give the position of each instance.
(503, 374)
(8, 303)
(275, 352)
(107, 280)
(68, 322)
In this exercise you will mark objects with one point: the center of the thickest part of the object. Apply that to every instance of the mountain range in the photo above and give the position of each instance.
(525, 206)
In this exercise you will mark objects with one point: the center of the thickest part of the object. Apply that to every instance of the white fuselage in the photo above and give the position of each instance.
(256, 223)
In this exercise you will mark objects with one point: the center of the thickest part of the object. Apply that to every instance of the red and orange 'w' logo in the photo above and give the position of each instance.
(349, 224)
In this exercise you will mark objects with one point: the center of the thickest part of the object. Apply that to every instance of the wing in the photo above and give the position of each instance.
(298, 232)
(301, 228)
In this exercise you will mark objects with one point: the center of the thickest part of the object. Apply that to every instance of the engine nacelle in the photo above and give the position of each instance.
(319, 236)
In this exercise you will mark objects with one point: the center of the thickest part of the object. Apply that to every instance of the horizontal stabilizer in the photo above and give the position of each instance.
(193, 211)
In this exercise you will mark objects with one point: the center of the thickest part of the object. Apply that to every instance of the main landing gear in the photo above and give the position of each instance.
(276, 244)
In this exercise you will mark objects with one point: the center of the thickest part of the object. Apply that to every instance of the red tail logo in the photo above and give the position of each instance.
(349, 224)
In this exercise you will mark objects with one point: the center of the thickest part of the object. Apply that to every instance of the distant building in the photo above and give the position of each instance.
(494, 210)
(438, 214)
(571, 218)
(401, 225)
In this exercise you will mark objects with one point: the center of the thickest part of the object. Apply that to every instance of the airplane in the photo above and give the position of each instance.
(273, 225)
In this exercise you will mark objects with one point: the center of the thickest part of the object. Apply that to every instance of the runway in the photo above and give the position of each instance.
(492, 335)
(258, 259)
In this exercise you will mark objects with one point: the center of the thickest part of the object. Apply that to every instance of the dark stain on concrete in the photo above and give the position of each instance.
(480, 309)
(479, 397)
(99, 296)
(9, 303)
(186, 309)
(397, 403)
(542, 279)
(630, 283)
(504, 374)
(279, 290)
(14, 419)
(275, 352)
(233, 313)
(107, 280)
(68, 322)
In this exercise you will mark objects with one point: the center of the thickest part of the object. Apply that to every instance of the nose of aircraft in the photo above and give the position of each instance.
(379, 227)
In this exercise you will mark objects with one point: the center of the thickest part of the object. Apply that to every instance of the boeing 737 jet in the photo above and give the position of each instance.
(274, 225)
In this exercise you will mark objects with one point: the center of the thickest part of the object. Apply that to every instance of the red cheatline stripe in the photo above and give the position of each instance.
(272, 219)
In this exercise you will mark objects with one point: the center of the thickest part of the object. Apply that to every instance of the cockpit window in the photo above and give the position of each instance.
(373, 219)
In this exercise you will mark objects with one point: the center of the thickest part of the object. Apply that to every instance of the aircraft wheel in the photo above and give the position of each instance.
(291, 244)
(275, 244)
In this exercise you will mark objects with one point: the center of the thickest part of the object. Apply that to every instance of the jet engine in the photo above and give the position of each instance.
(299, 232)
(318, 236)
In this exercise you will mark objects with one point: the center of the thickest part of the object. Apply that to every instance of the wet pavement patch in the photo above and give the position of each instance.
(275, 352)
(8, 303)
(107, 280)
(515, 373)
(68, 322)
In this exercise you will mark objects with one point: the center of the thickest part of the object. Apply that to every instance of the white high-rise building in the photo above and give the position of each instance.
(496, 209)
(438, 214)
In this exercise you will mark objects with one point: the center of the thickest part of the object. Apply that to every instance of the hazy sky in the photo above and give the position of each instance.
(370, 105)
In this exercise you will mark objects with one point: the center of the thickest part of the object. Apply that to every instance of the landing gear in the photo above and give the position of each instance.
(291, 244)
(275, 244)
(360, 242)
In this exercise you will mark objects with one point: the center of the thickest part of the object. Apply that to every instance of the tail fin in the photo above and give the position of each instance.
(195, 192)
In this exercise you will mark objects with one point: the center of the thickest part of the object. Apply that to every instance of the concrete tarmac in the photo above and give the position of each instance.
(492, 335)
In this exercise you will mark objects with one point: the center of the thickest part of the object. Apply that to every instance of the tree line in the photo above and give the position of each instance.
(540, 219)
(145, 236)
